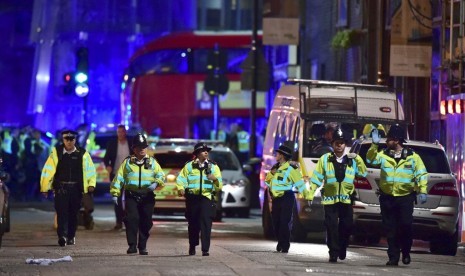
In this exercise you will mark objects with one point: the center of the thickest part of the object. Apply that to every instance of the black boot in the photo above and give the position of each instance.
(62, 241)
(132, 249)
(342, 254)
(406, 258)
(191, 250)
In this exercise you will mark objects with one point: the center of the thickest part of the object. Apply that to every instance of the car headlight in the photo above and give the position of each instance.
(170, 178)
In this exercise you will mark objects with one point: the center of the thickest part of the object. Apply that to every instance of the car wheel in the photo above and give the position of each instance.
(219, 216)
(243, 212)
(7, 218)
(229, 213)
(298, 232)
(359, 239)
(267, 224)
(444, 244)
(1, 232)
(373, 239)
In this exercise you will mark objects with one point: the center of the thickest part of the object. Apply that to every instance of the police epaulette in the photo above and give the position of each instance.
(294, 164)
(408, 151)
(331, 157)
(211, 161)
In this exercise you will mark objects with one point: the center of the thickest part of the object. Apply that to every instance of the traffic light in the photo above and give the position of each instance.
(69, 86)
(216, 81)
(81, 75)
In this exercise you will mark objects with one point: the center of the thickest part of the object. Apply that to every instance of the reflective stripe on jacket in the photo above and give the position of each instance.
(399, 179)
(135, 177)
(48, 172)
(191, 177)
(243, 141)
(286, 177)
(324, 174)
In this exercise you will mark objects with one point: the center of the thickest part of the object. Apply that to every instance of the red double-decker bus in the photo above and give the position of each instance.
(165, 84)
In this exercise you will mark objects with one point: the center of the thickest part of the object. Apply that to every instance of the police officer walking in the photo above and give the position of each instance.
(335, 172)
(280, 180)
(402, 175)
(137, 178)
(70, 172)
(199, 180)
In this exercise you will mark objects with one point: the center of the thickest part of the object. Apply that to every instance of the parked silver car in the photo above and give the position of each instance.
(435, 221)
(236, 186)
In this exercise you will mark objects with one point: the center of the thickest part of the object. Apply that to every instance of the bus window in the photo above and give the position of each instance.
(161, 62)
(234, 59)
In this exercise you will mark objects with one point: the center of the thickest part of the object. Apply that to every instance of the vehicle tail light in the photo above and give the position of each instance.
(444, 189)
(362, 183)
(262, 176)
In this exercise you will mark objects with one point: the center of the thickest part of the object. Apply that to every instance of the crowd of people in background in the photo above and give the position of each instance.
(24, 152)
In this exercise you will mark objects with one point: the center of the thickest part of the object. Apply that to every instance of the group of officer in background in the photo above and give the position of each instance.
(23, 151)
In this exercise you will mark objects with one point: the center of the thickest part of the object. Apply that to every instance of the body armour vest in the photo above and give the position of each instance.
(69, 167)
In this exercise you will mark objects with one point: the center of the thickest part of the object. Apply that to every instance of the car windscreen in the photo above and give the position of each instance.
(434, 159)
(173, 160)
(318, 136)
(103, 139)
(225, 160)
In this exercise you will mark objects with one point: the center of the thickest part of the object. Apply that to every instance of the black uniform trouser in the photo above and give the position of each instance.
(199, 218)
(119, 212)
(397, 214)
(138, 219)
(67, 204)
(281, 215)
(338, 221)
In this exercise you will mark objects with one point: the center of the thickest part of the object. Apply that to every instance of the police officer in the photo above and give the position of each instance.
(402, 175)
(335, 172)
(70, 172)
(280, 180)
(199, 180)
(137, 178)
(243, 139)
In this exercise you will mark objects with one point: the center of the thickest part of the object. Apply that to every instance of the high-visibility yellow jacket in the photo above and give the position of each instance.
(133, 176)
(221, 135)
(399, 179)
(48, 172)
(286, 177)
(333, 191)
(193, 178)
(243, 141)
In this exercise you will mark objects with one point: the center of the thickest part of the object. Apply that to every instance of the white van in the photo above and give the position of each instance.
(303, 116)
